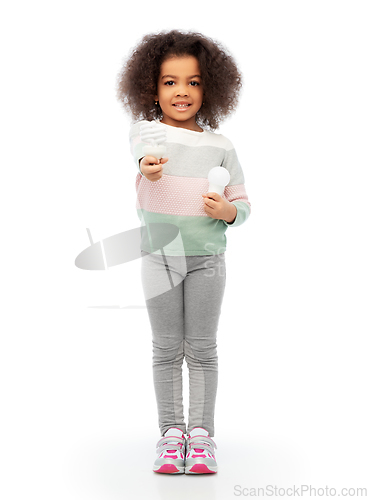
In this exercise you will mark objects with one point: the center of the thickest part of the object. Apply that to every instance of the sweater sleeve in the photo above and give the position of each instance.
(136, 144)
(235, 191)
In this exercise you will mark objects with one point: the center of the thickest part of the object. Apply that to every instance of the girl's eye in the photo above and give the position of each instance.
(170, 83)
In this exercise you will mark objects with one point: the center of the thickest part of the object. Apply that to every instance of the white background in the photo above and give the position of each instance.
(78, 418)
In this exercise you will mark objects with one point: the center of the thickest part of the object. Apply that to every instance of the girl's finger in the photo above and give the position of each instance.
(152, 159)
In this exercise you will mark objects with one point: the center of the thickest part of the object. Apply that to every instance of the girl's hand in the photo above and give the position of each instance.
(151, 167)
(218, 207)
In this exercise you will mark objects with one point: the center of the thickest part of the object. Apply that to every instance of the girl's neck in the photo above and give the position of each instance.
(188, 126)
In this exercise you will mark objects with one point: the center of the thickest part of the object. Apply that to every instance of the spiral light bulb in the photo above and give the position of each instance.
(155, 137)
(218, 177)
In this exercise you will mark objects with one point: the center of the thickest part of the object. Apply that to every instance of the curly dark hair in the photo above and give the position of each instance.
(137, 81)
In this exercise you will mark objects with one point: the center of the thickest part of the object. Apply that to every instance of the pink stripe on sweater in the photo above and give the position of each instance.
(236, 193)
(175, 195)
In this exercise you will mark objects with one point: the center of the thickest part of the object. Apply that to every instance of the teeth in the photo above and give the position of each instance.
(181, 105)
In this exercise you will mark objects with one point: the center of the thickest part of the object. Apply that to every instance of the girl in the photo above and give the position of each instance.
(187, 84)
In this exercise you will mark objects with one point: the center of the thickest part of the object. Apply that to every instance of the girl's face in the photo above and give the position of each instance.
(180, 91)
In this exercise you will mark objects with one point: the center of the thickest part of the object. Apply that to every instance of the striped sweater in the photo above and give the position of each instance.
(177, 197)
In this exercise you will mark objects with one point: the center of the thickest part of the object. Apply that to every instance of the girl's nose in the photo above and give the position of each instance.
(181, 91)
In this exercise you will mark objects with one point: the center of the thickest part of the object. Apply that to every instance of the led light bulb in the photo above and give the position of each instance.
(218, 177)
(154, 136)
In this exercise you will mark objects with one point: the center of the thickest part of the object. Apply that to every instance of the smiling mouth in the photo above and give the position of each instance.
(181, 106)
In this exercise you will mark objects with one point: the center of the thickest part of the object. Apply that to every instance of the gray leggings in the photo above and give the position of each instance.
(183, 297)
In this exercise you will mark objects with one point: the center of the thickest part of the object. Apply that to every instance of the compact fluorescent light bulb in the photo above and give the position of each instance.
(155, 137)
(218, 177)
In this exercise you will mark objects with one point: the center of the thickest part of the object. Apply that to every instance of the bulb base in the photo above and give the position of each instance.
(215, 188)
(156, 151)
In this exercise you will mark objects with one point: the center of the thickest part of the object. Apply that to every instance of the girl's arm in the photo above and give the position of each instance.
(136, 144)
(235, 191)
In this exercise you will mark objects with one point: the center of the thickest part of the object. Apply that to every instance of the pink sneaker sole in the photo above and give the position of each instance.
(200, 469)
(168, 469)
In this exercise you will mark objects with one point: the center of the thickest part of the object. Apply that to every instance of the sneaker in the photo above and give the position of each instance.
(200, 453)
(171, 452)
